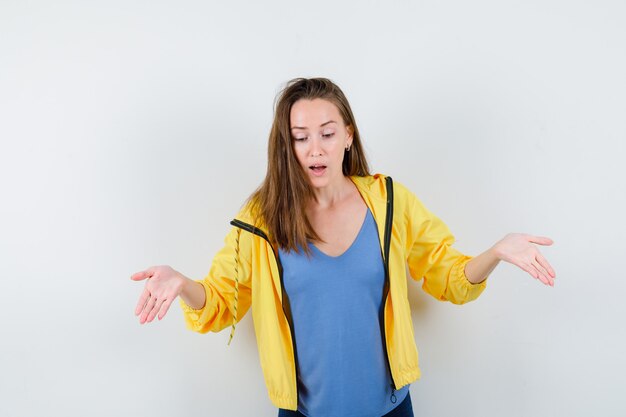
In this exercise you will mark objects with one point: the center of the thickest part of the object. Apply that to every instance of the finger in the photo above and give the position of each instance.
(538, 275)
(142, 301)
(138, 276)
(545, 277)
(534, 272)
(544, 262)
(166, 306)
(155, 310)
(149, 306)
(540, 240)
(528, 268)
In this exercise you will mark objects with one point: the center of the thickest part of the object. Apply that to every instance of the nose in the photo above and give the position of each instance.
(316, 147)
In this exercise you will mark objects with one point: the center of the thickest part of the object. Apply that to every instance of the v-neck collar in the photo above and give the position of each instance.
(358, 235)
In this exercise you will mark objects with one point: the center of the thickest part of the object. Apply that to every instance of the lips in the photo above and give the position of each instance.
(318, 169)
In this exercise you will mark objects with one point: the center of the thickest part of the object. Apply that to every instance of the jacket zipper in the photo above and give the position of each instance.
(386, 247)
(285, 300)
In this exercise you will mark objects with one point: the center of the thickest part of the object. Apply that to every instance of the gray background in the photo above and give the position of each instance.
(131, 133)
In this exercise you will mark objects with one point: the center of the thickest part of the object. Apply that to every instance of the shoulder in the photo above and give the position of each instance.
(250, 213)
(376, 186)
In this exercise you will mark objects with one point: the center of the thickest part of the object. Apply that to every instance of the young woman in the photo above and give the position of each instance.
(319, 252)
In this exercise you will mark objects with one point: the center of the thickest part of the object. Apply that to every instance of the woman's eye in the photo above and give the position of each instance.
(299, 139)
(328, 135)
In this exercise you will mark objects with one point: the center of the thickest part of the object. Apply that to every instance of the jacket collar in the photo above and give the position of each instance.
(371, 188)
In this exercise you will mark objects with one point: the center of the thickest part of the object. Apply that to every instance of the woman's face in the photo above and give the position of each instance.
(319, 138)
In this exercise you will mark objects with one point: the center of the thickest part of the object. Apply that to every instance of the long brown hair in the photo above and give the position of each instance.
(280, 201)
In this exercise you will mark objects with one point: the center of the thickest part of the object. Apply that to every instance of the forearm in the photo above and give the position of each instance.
(193, 293)
(479, 267)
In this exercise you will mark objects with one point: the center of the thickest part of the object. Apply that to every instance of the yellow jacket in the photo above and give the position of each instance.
(417, 238)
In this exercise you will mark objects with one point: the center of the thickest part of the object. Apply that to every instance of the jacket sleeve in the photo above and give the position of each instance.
(432, 257)
(222, 299)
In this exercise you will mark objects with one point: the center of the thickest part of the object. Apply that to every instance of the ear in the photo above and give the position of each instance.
(350, 130)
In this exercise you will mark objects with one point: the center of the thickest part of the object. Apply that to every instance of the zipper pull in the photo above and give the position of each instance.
(393, 397)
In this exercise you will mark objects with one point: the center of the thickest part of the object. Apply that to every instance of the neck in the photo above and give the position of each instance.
(328, 196)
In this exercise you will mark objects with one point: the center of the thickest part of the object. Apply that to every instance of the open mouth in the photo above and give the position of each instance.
(317, 169)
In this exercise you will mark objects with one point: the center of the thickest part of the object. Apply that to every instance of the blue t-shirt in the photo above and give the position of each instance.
(336, 305)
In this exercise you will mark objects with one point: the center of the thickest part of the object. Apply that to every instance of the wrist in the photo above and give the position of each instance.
(184, 284)
(192, 293)
(494, 253)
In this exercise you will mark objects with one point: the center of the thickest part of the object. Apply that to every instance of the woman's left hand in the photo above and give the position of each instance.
(519, 249)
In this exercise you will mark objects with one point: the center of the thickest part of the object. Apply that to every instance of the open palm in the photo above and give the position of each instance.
(520, 250)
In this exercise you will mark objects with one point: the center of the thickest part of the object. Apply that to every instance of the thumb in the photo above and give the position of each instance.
(138, 276)
(541, 240)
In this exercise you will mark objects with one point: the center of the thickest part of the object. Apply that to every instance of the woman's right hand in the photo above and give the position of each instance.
(163, 285)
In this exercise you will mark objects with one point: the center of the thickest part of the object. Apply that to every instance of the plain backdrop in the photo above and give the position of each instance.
(132, 131)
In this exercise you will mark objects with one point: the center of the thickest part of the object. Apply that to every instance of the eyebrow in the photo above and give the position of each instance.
(323, 124)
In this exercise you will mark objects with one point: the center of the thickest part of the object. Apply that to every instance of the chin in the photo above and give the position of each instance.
(323, 181)
(317, 182)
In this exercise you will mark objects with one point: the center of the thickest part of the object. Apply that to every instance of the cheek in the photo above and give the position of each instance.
(338, 151)
(299, 151)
